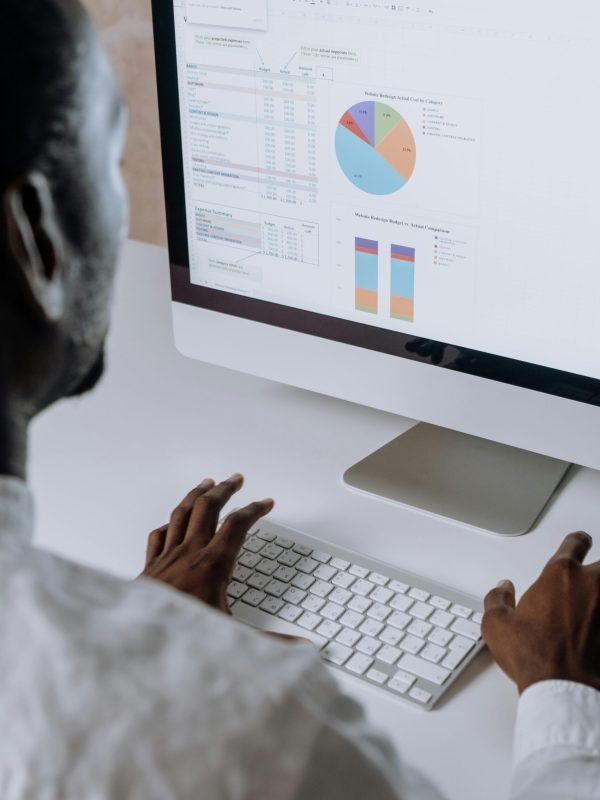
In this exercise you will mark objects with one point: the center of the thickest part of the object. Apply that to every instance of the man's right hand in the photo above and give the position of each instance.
(554, 630)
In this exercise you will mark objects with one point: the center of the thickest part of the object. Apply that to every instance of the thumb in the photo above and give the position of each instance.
(501, 598)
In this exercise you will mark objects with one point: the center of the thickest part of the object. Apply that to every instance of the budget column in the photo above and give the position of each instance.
(402, 305)
(366, 275)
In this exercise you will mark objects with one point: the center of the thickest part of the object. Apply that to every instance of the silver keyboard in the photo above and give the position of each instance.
(404, 634)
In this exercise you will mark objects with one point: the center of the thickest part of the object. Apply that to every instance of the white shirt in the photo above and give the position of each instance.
(117, 690)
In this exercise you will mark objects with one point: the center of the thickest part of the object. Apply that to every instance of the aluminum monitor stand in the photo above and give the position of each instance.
(473, 481)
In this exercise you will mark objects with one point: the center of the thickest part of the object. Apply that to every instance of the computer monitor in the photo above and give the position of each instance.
(397, 205)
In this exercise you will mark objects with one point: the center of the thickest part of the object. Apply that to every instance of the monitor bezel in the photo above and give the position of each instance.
(477, 363)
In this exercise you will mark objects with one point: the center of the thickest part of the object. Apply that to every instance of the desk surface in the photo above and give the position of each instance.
(108, 468)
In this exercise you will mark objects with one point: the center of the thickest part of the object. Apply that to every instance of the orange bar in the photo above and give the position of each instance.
(366, 300)
(403, 308)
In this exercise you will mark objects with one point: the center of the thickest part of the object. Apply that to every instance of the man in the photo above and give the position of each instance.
(115, 689)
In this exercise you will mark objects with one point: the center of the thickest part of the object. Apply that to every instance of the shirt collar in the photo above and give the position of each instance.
(16, 509)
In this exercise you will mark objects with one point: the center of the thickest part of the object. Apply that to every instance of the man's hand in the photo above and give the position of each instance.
(190, 554)
(554, 631)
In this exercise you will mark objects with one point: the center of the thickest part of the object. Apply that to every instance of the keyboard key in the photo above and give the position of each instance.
(260, 619)
(249, 560)
(389, 654)
(348, 637)
(359, 663)
(423, 669)
(324, 572)
(321, 588)
(397, 686)
(359, 604)
(401, 602)
(380, 594)
(288, 558)
(412, 644)
(461, 643)
(271, 551)
(236, 590)
(368, 645)
(309, 620)
(420, 695)
(253, 597)
(421, 610)
(329, 629)
(253, 545)
(419, 594)
(290, 613)
(320, 556)
(391, 636)
(461, 611)
(379, 612)
(344, 580)
(266, 566)
(433, 653)
(399, 620)
(442, 619)
(332, 611)
(351, 619)
(359, 572)
(340, 596)
(339, 563)
(294, 596)
(272, 605)
(284, 574)
(405, 677)
(285, 543)
(454, 658)
(313, 603)
(371, 627)
(276, 588)
(419, 628)
(440, 637)
(380, 580)
(302, 549)
(466, 628)
(303, 582)
(440, 602)
(307, 565)
(265, 535)
(398, 586)
(258, 581)
(362, 588)
(477, 618)
(241, 573)
(377, 676)
(337, 653)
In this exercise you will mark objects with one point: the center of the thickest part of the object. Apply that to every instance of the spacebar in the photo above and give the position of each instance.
(267, 622)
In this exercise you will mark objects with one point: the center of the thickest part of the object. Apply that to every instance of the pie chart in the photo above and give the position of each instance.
(375, 148)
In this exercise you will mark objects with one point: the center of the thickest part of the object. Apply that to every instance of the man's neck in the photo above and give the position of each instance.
(13, 441)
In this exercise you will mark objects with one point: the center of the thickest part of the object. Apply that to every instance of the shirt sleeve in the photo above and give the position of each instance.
(351, 760)
(557, 743)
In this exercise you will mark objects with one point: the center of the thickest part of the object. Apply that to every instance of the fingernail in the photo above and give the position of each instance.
(236, 477)
(207, 482)
(269, 502)
(503, 584)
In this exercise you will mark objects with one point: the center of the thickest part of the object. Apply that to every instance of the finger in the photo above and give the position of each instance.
(575, 547)
(181, 515)
(207, 510)
(501, 598)
(156, 543)
(230, 537)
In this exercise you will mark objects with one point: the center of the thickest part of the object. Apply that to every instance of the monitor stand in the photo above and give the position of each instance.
(469, 480)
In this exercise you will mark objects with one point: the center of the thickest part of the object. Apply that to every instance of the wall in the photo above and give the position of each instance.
(126, 27)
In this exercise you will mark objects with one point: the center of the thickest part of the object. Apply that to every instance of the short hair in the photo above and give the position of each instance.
(40, 55)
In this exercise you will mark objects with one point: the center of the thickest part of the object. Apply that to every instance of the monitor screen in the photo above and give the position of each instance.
(422, 179)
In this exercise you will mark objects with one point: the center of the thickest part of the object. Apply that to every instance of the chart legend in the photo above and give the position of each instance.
(402, 303)
(375, 148)
(367, 275)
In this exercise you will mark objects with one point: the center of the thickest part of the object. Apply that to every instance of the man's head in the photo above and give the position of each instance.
(63, 205)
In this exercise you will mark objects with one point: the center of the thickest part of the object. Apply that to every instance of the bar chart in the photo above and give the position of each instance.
(402, 300)
(366, 260)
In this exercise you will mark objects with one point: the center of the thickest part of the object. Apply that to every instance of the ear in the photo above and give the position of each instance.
(36, 243)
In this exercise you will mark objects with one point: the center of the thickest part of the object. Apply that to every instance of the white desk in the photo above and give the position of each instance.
(108, 468)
